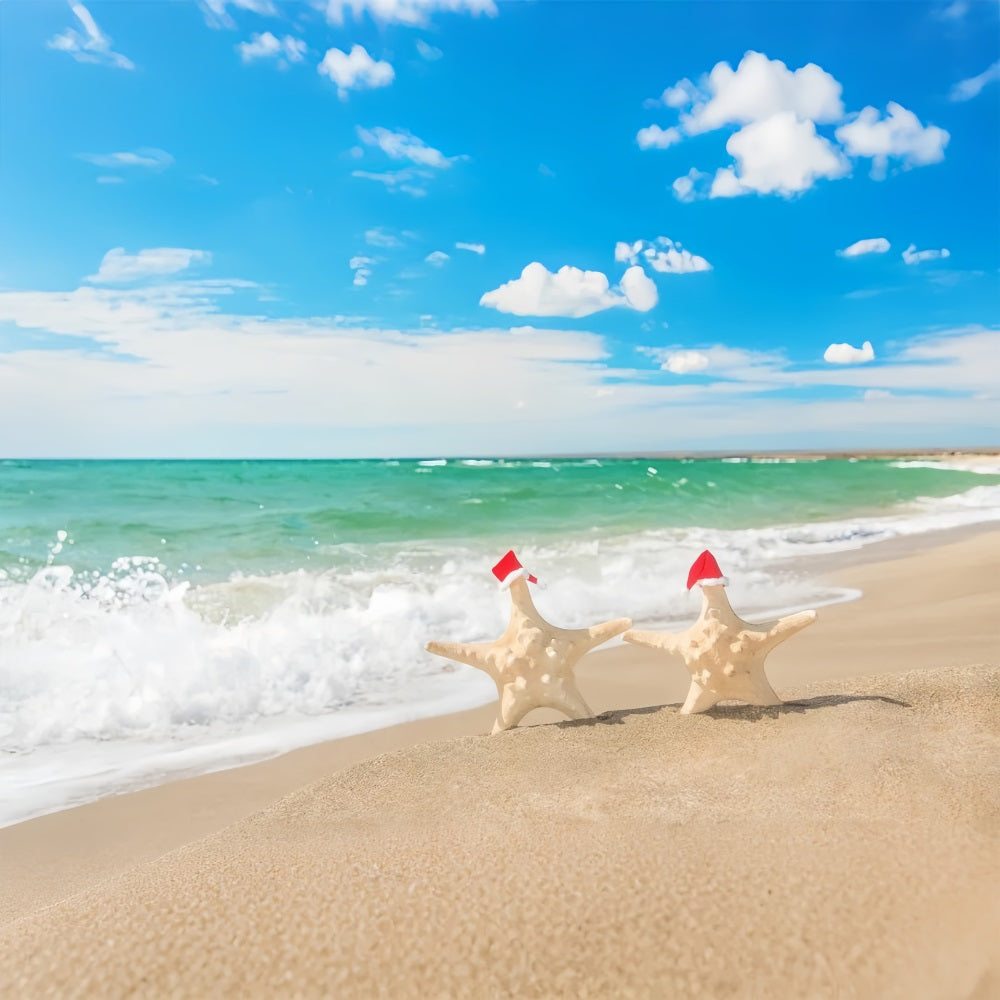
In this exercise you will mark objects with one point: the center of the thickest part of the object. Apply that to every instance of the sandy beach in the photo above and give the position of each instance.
(846, 844)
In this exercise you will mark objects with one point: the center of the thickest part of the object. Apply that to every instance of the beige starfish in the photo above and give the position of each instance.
(724, 654)
(532, 662)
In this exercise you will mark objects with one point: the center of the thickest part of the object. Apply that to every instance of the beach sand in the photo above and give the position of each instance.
(844, 845)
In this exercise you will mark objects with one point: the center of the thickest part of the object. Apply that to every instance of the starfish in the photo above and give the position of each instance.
(532, 662)
(723, 653)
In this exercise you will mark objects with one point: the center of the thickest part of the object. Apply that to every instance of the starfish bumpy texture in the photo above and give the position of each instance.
(723, 653)
(532, 662)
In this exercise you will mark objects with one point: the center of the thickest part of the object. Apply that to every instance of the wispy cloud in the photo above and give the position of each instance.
(410, 179)
(91, 45)
(911, 255)
(119, 266)
(436, 258)
(267, 46)
(878, 244)
(217, 15)
(147, 158)
(403, 145)
(661, 254)
(412, 12)
(965, 90)
(477, 248)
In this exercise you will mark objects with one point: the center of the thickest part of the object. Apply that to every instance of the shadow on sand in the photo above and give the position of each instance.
(742, 713)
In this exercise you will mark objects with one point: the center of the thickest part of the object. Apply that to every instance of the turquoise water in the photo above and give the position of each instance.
(206, 520)
(163, 618)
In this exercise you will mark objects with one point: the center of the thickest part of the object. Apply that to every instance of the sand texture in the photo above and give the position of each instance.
(845, 845)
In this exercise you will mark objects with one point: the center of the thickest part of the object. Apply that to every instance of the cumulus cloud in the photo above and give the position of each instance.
(477, 248)
(654, 137)
(119, 266)
(569, 292)
(965, 90)
(845, 354)
(911, 255)
(877, 245)
(899, 135)
(412, 12)
(663, 255)
(91, 45)
(151, 159)
(756, 90)
(355, 70)
(777, 148)
(779, 155)
(404, 145)
(436, 258)
(685, 362)
(267, 46)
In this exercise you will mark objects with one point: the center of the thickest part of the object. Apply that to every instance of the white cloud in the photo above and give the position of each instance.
(151, 159)
(899, 135)
(404, 145)
(757, 89)
(779, 155)
(845, 354)
(663, 255)
(965, 90)
(436, 258)
(201, 380)
(217, 16)
(878, 244)
(91, 46)
(267, 46)
(911, 255)
(412, 12)
(569, 292)
(686, 188)
(654, 137)
(118, 266)
(362, 268)
(477, 248)
(876, 394)
(639, 289)
(355, 70)
(777, 148)
(105, 179)
(378, 237)
(685, 362)
(427, 51)
(409, 179)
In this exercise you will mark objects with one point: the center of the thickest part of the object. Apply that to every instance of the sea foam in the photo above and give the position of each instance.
(116, 679)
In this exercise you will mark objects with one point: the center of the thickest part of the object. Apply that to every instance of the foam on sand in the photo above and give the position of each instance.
(843, 845)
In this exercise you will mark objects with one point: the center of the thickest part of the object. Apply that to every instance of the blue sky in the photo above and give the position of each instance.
(417, 227)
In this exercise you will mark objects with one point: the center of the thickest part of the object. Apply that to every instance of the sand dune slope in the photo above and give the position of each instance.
(847, 845)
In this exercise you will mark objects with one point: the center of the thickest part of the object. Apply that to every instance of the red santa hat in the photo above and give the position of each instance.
(509, 569)
(705, 571)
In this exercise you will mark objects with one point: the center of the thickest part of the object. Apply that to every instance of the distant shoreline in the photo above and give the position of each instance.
(806, 454)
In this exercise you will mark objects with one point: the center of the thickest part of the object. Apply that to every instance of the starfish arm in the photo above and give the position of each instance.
(475, 654)
(514, 706)
(666, 641)
(698, 699)
(787, 626)
(608, 630)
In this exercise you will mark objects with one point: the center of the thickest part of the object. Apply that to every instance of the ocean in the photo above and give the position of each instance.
(166, 618)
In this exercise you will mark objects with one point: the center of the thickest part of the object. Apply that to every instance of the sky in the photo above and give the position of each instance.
(374, 228)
